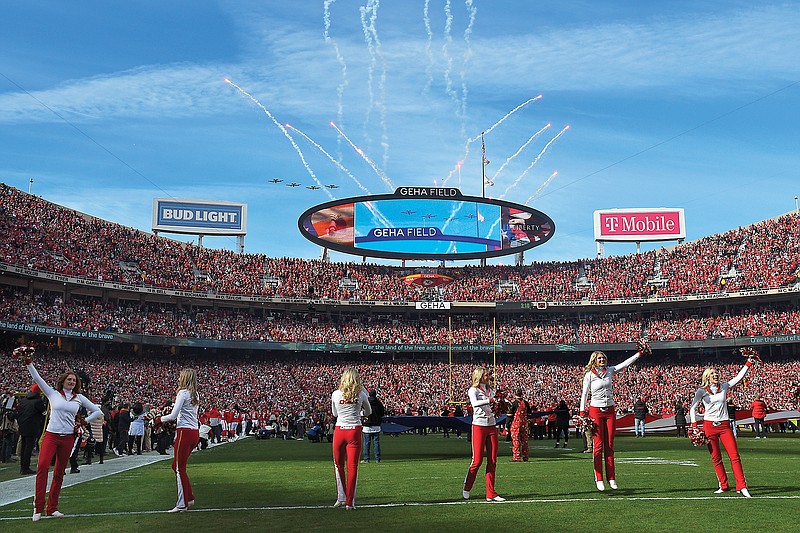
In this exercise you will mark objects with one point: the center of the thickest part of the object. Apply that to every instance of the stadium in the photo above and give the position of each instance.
(510, 265)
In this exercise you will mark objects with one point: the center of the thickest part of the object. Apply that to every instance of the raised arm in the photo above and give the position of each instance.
(46, 389)
(642, 348)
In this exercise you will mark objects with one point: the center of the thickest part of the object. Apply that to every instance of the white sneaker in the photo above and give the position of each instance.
(497, 498)
(721, 491)
(613, 484)
(600, 485)
(350, 508)
(745, 493)
(57, 514)
(177, 509)
(465, 494)
(338, 504)
(189, 504)
(37, 517)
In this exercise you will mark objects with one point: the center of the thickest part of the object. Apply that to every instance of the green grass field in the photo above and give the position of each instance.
(273, 485)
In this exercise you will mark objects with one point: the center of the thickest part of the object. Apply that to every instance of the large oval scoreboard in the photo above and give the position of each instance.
(425, 223)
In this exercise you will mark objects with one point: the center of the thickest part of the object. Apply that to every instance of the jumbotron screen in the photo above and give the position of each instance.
(425, 223)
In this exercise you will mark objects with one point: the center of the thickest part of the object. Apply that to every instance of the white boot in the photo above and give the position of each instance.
(600, 485)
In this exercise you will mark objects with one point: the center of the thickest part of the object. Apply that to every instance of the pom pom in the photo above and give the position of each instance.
(697, 436)
(643, 348)
(752, 356)
(25, 353)
(584, 423)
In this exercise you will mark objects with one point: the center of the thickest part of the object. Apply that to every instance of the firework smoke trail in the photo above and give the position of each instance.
(536, 160)
(341, 167)
(541, 188)
(381, 103)
(473, 12)
(503, 119)
(515, 154)
(426, 20)
(474, 139)
(326, 16)
(448, 39)
(286, 133)
(364, 156)
(364, 10)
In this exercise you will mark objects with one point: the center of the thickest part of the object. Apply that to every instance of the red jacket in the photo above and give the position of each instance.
(759, 408)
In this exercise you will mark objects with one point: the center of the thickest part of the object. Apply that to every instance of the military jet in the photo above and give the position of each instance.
(312, 187)
(332, 186)
(293, 184)
(275, 180)
(408, 212)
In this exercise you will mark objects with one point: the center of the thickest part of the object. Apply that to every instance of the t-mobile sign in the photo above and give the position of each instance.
(635, 225)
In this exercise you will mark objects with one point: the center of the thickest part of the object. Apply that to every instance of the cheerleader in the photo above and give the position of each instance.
(717, 425)
(348, 404)
(59, 437)
(597, 380)
(187, 435)
(484, 434)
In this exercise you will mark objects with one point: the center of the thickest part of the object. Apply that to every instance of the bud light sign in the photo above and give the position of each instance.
(199, 217)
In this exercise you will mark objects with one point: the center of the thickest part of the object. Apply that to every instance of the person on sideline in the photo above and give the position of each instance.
(597, 381)
(562, 422)
(484, 434)
(759, 407)
(680, 417)
(59, 436)
(640, 412)
(30, 418)
(520, 410)
(348, 404)
(716, 424)
(187, 435)
(372, 429)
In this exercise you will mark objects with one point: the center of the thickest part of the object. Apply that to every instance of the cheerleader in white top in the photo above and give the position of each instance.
(187, 435)
(348, 404)
(59, 436)
(598, 381)
(484, 434)
(713, 395)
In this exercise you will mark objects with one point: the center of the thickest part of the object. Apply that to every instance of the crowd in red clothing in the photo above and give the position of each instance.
(44, 236)
(304, 384)
(93, 314)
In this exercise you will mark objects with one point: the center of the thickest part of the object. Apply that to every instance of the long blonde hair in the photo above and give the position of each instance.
(350, 385)
(592, 364)
(188, 381)
(706, 380)
(477, 375)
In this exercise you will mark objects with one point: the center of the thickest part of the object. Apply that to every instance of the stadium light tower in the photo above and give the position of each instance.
(796, 206)
(30, 184)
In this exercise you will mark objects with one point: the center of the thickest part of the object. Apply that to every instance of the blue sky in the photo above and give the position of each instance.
(107, 105)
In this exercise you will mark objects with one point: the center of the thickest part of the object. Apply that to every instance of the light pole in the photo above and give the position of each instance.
(30, 184)
(796, 206)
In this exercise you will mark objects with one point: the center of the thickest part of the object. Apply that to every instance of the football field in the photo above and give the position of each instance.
(275, 485)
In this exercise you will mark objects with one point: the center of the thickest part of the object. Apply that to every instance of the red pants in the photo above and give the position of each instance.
(519, 440)
(723, 432)
(605, 422)
(346, 447)
(185, 441)
(60, 447)
(483, 437)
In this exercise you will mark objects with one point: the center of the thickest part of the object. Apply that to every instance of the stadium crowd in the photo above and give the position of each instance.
(44, 236)
(125, 316)
(302, 384)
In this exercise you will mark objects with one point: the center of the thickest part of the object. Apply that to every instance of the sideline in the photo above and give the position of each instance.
(18, 489)
(425, 504)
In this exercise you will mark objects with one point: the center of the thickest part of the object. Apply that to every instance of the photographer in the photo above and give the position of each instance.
(8, 427)
(30, 418)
